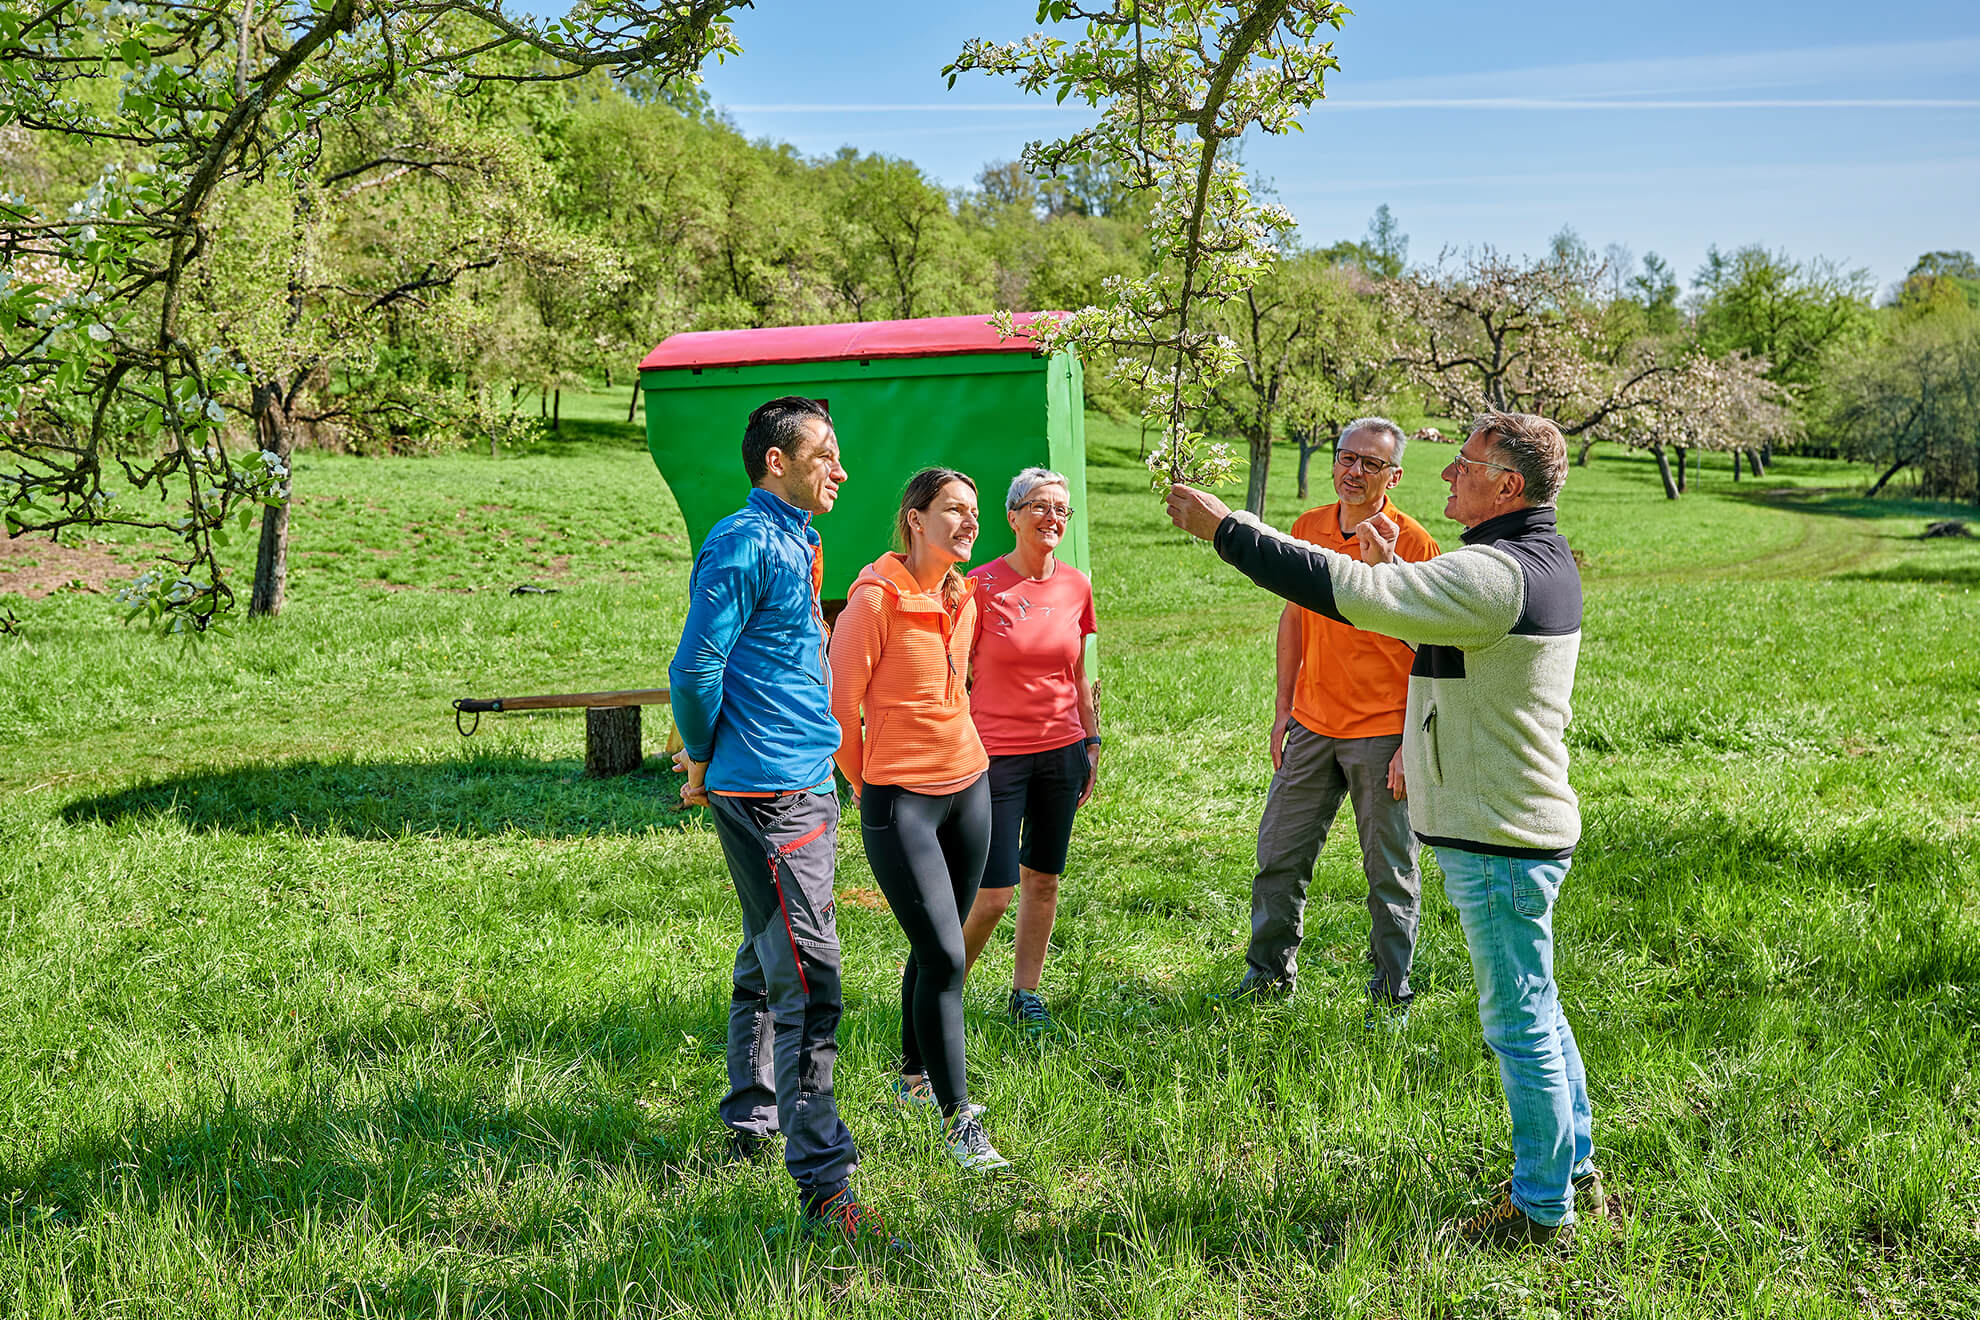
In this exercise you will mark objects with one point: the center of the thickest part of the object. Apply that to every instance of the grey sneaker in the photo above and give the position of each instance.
(1391, 1018)
(969, 1144)
(1028, 1011)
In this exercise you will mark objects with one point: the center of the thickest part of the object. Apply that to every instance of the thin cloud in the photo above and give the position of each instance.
(1433, 103)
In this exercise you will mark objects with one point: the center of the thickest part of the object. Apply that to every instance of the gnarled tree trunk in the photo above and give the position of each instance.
(1308, 447)
(1664, 471)
(1261, 466)
(274, 429)
(1683, 455)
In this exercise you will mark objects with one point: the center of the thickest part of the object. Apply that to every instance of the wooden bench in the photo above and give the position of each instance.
(611, 723)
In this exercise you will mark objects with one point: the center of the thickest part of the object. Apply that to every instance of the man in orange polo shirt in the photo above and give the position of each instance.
(1337, 732)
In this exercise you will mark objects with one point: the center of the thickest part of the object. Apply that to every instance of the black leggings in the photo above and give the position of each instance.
(927, 852)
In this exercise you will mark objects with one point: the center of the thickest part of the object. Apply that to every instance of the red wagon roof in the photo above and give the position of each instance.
(929, 336)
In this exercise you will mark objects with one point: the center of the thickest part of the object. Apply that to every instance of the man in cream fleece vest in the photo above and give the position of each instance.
(1497, 628)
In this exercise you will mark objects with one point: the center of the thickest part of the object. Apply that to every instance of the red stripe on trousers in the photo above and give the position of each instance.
(785, 850)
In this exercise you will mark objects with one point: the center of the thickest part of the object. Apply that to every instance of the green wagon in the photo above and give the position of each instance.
(903, 395)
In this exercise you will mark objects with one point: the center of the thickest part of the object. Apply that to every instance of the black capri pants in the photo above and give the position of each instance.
(1033, 796)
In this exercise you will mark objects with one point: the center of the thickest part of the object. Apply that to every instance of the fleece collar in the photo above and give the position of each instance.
(889, 573)
(1511, 526)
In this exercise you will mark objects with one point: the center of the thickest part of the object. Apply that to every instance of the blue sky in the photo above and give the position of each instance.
(1845, 131)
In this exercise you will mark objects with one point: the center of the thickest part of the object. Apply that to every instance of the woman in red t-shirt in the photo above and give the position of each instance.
(1033, 707)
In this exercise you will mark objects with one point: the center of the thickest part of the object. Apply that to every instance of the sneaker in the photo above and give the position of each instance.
(1028, 1011)
(1391, 1018)
(1591, 1199)
(911, 1095)
(970, 1145)
(1503, 1224)
(746, 1147)
(841, 1218)
(1258, 988)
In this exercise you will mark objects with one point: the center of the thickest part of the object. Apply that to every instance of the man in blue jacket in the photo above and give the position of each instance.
(750, 693)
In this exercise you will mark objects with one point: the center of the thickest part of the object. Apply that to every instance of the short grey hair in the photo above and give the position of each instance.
(1378, 424)
(1533, 447)
(1031, 479)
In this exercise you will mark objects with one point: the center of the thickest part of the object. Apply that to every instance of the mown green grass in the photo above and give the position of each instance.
(316, 1009)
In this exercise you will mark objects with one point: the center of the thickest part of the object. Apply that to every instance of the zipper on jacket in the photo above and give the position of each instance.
(1430, 738)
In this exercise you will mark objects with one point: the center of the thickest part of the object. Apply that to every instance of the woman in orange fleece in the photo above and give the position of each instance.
(900, 657)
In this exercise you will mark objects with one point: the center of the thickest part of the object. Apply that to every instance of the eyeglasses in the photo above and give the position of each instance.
(1461, 463)
(1373, 466)
(1041, 510)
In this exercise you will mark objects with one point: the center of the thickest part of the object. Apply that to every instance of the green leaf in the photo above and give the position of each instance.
(133, 52)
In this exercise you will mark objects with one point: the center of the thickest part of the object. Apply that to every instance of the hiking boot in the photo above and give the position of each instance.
(1028, 1011)
(1504, 1225)
(746, 1147)
(1257, 989)
(841, 1218)
(1591, 1200)
(969, 1144)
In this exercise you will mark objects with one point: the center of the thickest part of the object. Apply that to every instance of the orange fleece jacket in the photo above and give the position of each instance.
(901, 657)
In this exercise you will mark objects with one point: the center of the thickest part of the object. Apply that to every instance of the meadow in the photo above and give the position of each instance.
(314, 1008)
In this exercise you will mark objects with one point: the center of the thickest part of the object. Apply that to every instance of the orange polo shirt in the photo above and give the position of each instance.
(1353, 684)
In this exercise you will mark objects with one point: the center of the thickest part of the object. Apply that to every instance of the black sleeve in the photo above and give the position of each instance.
(1278, 563)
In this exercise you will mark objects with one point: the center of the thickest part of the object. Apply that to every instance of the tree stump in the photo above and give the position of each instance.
(611, 741)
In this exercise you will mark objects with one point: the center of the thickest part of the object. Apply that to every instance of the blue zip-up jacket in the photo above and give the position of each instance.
(750, 687)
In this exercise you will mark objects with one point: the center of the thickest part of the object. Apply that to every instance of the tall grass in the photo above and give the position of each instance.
(317, 1009)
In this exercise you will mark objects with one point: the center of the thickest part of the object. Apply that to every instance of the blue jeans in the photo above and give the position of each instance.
(1506, 905)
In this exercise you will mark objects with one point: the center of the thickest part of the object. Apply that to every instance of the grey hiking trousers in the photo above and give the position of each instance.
(784, 1011)
(1313, 776)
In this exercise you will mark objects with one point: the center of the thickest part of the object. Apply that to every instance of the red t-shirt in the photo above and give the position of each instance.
(1029, 639)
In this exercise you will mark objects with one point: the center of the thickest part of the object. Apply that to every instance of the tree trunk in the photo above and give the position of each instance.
(1306, 448)
(1759, 465)
(1664, 471)
(274, 432)
(611, 741)
(1261, 465)
(557, 409)
(1683, 455)
(1880, 483)
(1581, 459)
(1735, 465)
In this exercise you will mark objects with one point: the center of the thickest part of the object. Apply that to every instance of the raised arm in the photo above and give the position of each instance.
(1466, 598)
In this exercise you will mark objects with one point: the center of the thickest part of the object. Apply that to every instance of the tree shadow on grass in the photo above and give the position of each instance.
(1761, 907)
(1850, 502)
(1942, 574)
(473, 796)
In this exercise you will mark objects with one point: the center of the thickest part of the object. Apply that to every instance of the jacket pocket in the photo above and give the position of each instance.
(1432, 753)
